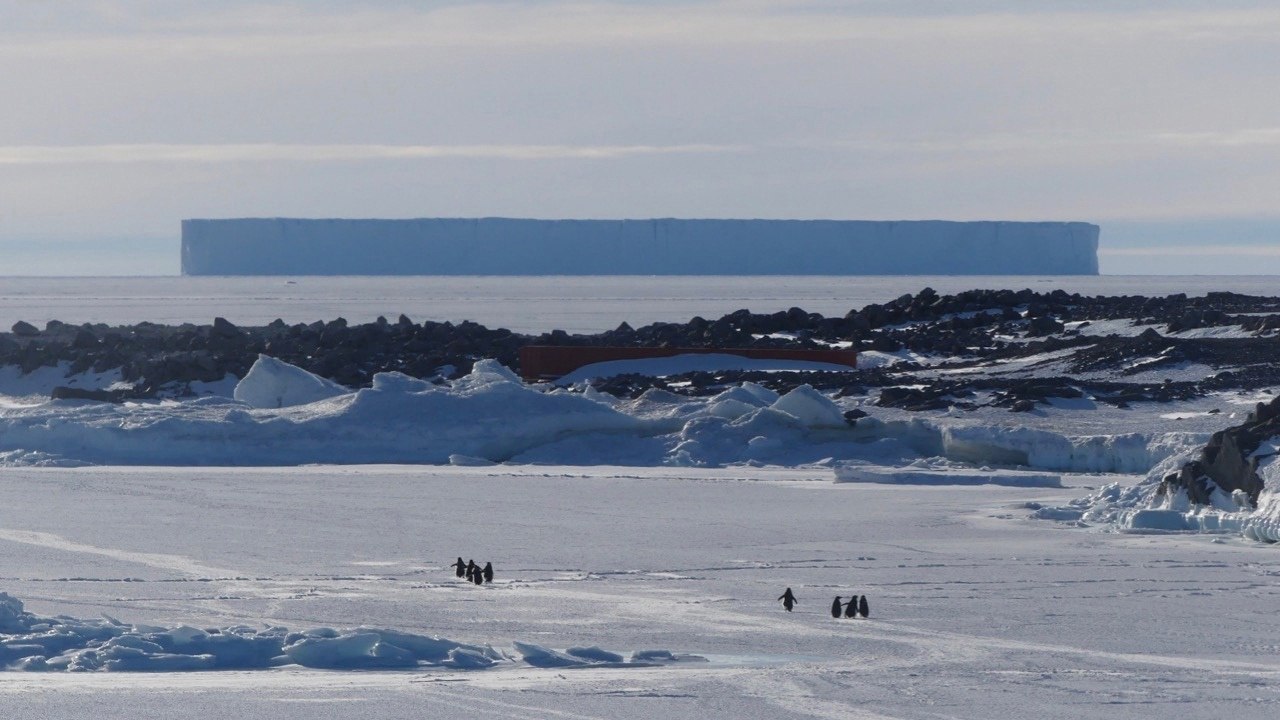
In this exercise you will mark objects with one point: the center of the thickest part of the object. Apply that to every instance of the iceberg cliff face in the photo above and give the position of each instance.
(505, 246)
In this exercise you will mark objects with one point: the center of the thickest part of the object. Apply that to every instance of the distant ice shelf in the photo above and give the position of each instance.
(510, 246)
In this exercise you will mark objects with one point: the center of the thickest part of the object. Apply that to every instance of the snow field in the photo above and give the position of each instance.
(977, 610)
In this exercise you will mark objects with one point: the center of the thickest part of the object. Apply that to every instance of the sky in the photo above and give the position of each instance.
(1159, 121)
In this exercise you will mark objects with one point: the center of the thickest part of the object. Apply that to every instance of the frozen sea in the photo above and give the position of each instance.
(978, 610)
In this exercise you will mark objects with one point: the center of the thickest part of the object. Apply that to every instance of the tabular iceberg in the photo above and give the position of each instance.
(508, 246)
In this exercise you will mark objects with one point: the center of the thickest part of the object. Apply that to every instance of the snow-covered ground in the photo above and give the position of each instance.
(1016, 564)
(977, 611)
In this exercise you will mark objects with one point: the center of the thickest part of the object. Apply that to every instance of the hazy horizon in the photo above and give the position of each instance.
(1126, 248)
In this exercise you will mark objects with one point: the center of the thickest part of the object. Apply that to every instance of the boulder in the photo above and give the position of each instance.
(223, 328)
(1227, 460)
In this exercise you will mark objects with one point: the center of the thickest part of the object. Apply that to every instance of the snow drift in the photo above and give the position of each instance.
(512, 246)
(63, 644)
(283, 415)
(271, 383)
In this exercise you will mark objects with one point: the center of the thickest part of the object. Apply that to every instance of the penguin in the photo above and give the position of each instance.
(788, 599)
(460, 567)
(471, 569)
(477, 577)
(835, 607)
(862, 606)
(488, 572)
(851, 609)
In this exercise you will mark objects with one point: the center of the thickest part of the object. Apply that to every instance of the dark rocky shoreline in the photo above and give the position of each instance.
(966, 330)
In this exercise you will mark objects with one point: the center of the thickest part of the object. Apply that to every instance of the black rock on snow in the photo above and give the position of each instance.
(961, 334)
(1227, 460)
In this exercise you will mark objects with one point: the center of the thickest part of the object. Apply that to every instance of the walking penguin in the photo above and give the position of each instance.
(460, 567)
(851, 609)
(788, 599)
(862, 606)
(477, 577)
(488, 572)
(835, 607)
(471, 569)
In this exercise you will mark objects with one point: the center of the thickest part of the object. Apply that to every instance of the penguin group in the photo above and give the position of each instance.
(856, 607)
(472, 572)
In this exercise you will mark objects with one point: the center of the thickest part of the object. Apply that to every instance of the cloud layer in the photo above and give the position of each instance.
(264, 152)
(122, 116)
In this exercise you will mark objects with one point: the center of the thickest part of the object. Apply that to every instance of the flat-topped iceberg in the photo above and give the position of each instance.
(665, 246)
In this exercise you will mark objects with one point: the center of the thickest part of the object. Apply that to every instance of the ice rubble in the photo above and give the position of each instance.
(53, 644)
(271, 383)
(1142, 509)
(491, 416)
(539, 656)
(1124, 453)
(283, 415)
(923, 472)
(488, 414)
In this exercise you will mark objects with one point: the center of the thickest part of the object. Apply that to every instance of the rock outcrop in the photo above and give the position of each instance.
(1228, 460)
